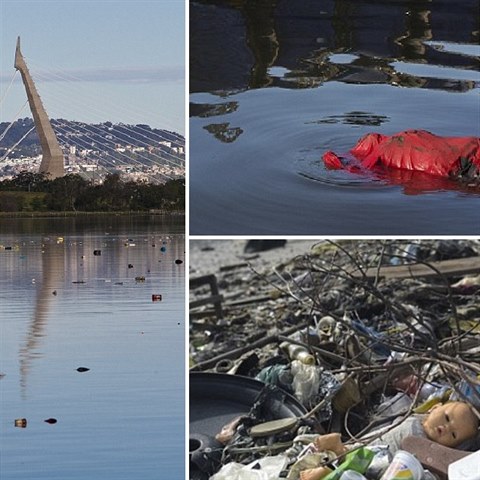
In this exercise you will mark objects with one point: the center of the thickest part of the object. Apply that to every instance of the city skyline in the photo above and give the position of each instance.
(118, 61)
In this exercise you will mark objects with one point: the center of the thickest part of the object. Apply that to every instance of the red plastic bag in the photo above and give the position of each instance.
(413, 150)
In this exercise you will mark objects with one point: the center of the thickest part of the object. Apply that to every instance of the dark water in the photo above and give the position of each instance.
(275, 84)
(125, 417)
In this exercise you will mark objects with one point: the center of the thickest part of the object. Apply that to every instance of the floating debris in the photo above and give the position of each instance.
(51, 420)
(54, 292)
(130, 265)
(156, 298)
(21, 422)
(140, 279)
(178, 261)
(163, 249)
(97, 252)
(79, 281)
(82, 369)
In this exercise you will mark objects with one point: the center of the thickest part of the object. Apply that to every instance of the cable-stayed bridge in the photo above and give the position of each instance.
(93, 150)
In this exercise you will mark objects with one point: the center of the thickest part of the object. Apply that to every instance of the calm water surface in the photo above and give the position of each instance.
(275, 84)
(124, 418)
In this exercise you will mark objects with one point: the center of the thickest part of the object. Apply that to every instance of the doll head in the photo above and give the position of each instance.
(451, 424)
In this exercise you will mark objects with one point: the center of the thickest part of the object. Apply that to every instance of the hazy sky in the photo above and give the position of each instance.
(97, 60)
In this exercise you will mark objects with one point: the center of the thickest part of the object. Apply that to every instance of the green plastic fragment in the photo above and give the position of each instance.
(357, 460)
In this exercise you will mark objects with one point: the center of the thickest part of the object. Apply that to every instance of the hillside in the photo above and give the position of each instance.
(101, 136)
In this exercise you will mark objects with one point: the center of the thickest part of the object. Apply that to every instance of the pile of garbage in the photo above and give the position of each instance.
(374, 343)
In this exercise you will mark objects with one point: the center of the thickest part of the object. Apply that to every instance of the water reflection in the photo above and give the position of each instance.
(51, 264)
(410, 183)
(52, 267)
(276, 83)
(224, 132)
(126, 416)
(355, 118)
(234, 43)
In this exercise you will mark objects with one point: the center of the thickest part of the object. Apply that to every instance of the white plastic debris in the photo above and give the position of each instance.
(267, 468)
(466, 468)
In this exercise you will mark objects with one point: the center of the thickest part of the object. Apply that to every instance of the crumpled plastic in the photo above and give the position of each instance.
(381, 461)
(413, 150)
(267, 468)
(305, 381)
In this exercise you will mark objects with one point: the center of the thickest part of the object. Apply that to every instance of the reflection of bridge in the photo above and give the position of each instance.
(52, 155)
(53, 267)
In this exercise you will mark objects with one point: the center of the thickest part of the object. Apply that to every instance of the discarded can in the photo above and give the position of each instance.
(97, 252)
(21, 422)
(156, 298)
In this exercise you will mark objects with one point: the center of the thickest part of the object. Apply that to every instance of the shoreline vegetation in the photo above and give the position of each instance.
(33, 195)
(54, 214)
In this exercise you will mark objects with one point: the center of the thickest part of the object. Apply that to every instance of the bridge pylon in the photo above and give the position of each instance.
(52, 156)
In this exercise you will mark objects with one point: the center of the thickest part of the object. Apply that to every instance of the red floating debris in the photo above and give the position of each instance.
(413, 150)
(156, 298)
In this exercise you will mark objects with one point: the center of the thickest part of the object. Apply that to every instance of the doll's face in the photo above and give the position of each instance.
(450, 424)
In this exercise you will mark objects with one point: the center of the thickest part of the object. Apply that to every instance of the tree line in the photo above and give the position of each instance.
(29, 191)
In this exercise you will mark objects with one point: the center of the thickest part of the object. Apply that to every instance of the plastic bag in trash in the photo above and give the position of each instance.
(396, 405)
(305, 381)
(267, 468)
(380, 462)
(468, 391)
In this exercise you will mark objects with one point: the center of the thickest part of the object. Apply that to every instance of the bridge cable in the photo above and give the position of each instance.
(16, 145)
(2, 136)
(8, 88)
